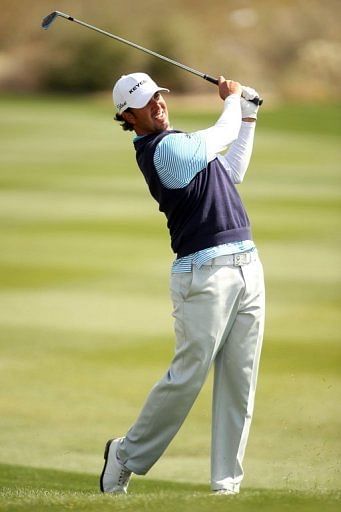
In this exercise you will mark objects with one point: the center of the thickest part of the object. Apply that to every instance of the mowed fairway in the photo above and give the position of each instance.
(85, 316)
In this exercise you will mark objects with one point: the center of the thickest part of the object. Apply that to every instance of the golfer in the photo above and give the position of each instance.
(217, 284)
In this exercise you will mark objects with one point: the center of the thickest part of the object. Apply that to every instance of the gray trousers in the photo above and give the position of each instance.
(219, 317)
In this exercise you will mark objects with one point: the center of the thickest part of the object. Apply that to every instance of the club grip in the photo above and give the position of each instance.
(211, 79)
(256, 100)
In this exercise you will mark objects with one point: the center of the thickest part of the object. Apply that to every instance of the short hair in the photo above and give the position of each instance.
(125, 125)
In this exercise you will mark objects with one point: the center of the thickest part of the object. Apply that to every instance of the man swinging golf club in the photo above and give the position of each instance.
(217, 283)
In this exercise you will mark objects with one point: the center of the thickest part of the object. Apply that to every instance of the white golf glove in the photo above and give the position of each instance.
(249, 109)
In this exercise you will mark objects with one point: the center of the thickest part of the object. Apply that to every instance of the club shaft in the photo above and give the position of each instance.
(139, 47)
(146, 50)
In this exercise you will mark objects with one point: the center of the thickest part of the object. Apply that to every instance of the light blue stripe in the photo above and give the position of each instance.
(179, 157)
(199, 258)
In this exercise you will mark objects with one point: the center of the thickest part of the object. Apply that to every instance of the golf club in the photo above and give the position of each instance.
(49, 19)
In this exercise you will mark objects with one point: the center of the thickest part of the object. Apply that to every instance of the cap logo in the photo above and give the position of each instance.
(137, 86)
(121, 105)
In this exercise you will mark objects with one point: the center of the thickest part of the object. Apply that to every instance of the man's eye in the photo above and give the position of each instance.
(157, 96)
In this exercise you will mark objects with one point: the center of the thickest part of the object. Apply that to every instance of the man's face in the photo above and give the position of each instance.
(150, 119)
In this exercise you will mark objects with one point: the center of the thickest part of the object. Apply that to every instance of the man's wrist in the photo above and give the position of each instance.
(232, 97)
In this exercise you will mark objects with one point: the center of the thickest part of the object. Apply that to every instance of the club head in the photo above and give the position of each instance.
(49, 19)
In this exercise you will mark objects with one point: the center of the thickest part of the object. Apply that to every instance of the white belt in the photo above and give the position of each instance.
(236, 260)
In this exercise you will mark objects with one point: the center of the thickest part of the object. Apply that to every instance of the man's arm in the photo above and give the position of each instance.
(225, 130)
(237, 158)
(179, 157)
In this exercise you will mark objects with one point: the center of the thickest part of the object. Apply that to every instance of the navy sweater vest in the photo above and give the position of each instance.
(205, 213)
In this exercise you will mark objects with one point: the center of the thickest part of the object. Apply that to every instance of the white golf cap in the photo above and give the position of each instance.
(135, 91)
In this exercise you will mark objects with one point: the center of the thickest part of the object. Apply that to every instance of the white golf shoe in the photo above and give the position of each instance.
(115, 476)
(224, 492)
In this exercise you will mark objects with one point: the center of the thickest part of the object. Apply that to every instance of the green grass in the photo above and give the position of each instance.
(85, 324)
(46, 489)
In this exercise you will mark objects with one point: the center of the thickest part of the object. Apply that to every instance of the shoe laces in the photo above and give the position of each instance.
(124, 476)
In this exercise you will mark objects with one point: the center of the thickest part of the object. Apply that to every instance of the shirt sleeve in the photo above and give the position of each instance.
(236, 160)
(179, 157)
(225, 130)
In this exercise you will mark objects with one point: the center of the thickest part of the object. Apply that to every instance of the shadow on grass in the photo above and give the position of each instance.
(15, 477)
(38, 490)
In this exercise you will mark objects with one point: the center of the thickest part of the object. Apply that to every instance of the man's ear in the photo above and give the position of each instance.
(129, 117)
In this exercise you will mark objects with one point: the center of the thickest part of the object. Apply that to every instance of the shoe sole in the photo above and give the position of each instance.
(106, 454)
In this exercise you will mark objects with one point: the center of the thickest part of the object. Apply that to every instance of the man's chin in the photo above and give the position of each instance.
(163, 126)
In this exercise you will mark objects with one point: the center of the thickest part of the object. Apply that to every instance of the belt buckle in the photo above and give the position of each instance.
(241, 259)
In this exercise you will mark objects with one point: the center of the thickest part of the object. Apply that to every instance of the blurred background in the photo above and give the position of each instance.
(85, 316)
(289, 48)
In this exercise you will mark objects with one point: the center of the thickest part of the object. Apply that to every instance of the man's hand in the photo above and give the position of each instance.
(227, 87)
